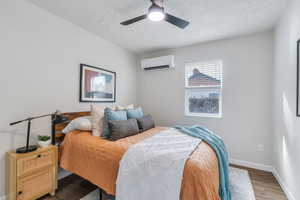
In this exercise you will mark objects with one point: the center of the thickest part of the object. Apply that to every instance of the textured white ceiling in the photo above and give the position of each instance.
(210, 20)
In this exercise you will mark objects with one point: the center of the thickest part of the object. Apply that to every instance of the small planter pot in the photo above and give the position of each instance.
(44, 143)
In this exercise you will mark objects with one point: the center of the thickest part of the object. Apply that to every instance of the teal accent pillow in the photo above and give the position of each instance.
(135, 113)
(111, 115)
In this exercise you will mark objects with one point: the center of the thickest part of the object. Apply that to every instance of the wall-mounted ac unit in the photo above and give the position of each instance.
(164, 62)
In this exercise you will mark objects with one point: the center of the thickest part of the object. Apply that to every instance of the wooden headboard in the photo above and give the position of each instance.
(57, 136)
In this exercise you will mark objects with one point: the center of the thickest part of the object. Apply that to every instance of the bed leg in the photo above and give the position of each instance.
(100, 194)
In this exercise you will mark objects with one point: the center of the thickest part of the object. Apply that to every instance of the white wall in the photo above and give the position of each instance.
(39, 73)
(247, 92)
(286, 124)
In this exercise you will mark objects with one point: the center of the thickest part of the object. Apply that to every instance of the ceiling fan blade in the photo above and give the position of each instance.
(176, 21)
(131, 21)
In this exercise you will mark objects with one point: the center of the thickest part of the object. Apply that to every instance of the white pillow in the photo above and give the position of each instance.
(131, 106)
(80, 123)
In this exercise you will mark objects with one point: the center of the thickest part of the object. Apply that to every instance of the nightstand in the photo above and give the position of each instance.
(32, 175)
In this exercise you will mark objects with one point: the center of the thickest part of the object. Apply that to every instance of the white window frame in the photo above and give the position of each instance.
(189, 88)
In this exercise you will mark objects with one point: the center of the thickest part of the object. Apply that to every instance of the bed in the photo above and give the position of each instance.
(97, 160)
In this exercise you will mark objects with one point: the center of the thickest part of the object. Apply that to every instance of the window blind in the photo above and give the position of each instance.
(203, 75)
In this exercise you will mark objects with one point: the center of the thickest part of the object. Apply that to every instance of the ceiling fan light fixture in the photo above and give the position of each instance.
(156, 16)
(156, 13)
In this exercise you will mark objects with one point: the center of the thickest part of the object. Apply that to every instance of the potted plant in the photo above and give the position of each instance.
(44, 140)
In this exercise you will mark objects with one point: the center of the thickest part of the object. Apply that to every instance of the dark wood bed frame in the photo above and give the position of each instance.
(57, 136)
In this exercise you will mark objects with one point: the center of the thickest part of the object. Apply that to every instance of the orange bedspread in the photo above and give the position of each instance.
(97, 160)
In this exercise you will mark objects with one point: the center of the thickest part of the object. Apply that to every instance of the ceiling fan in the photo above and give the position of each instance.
(157, 13)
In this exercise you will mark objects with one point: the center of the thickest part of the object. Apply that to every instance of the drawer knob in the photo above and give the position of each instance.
(39, 156)
(20, 192)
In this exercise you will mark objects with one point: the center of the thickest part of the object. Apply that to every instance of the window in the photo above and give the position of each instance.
(203, 89)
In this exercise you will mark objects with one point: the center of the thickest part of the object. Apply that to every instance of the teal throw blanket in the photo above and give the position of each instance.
(219, 147)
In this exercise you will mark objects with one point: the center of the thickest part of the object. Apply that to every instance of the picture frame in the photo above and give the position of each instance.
(97, 84)
(298, 81)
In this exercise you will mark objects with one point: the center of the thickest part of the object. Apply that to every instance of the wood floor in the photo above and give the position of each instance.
(264, 183)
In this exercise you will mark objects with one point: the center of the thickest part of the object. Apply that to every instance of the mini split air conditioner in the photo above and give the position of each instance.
(164, 62)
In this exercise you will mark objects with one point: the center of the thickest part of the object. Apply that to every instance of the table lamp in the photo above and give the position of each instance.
(57, 118)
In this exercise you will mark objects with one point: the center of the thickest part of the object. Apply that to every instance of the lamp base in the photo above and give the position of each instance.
(27, 150)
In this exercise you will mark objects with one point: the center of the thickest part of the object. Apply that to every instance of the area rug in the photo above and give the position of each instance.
(240, 184)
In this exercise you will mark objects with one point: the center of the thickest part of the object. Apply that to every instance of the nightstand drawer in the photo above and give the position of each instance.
(35, 162)
(36, 185)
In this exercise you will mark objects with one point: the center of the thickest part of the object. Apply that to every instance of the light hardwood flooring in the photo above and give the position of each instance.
(264, 183)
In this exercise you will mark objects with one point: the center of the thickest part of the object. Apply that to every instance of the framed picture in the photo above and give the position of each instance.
(96, 84)
(298, 76)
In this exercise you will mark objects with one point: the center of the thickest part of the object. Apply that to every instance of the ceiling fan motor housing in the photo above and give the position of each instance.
(156, 8)
(159, 3)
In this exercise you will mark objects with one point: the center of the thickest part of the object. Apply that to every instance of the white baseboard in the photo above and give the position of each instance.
(284, 187)
(242, 163)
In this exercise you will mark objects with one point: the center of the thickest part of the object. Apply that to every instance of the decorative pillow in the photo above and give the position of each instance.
(111, 115)
(122, 128)
(97, 114)
(145, 123)
(131, 106)
(135, 113)
(80, 123)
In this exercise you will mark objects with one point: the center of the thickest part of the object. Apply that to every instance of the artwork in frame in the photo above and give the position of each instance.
(96, 84)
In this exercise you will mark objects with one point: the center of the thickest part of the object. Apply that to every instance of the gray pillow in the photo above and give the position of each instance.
(145, 123)
(122, 128)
